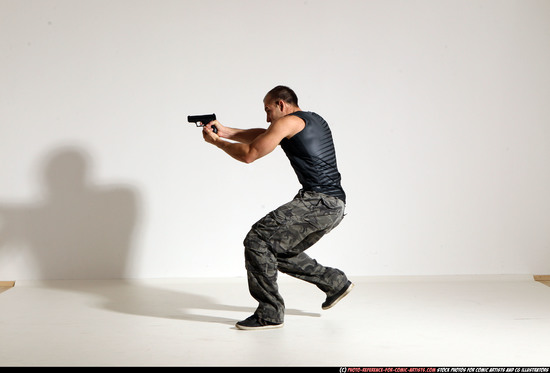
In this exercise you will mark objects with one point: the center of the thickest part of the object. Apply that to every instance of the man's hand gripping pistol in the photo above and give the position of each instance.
(202, 120)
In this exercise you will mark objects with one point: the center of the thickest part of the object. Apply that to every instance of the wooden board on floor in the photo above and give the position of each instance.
(5, 285)
(543, 279)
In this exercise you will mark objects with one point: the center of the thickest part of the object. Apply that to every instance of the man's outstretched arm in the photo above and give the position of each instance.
(262, 141)
(245, 136)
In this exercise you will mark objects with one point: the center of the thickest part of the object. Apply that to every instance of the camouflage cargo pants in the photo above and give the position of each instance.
(278, 241)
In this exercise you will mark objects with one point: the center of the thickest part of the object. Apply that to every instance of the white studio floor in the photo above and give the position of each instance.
(440, 321)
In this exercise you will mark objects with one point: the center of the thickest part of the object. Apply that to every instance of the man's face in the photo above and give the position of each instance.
(273, 110)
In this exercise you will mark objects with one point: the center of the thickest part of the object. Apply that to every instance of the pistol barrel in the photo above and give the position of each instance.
(203, 119)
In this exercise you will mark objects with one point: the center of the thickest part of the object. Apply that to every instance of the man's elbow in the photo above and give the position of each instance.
(251, 155)
(248, 159)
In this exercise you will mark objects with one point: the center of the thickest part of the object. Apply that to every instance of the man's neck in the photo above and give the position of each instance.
(292, 109)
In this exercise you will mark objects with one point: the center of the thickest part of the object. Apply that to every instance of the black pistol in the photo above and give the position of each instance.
(202, 120)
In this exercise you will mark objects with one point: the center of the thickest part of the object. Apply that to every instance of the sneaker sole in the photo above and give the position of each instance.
(348, 290)
(242, 327)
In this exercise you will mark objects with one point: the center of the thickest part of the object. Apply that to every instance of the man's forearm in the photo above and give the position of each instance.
(238, 151)
(245, 136)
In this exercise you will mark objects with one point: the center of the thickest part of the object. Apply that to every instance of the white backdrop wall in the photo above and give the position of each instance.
(440, 112)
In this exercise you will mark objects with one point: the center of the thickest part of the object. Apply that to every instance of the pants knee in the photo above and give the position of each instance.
(258, 258)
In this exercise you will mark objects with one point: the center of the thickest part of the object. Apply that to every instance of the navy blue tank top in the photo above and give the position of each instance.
(312, 156)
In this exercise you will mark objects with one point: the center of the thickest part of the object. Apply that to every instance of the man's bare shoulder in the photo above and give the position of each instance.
(288, 125)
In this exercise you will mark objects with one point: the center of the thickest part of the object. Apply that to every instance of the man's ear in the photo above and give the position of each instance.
(281, 105)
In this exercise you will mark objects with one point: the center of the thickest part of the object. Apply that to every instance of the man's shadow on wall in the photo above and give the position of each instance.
(80, 230)
(77, 230)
